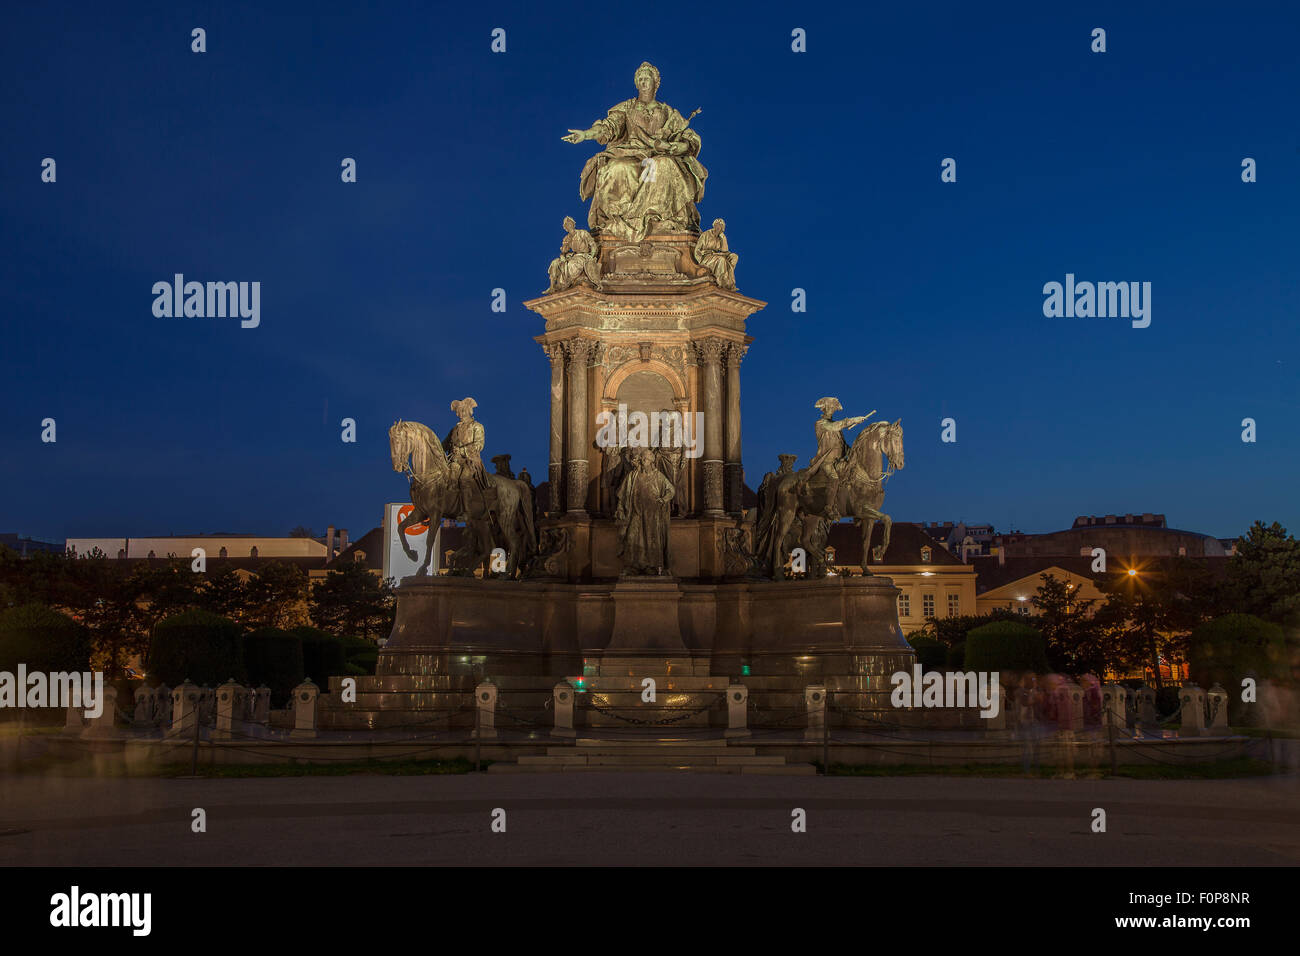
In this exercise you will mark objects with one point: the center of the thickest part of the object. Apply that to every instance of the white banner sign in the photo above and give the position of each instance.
(396, 563)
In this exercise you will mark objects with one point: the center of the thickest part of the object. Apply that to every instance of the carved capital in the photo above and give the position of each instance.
(580, 351)
(735, 352)
(555, 352)
(710, 350)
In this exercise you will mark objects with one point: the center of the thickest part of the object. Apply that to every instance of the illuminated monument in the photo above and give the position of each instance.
(643, 560)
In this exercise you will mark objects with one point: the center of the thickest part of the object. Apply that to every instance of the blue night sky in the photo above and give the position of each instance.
(924, 298)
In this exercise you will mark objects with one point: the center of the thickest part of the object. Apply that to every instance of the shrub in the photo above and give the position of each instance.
(1233, 646)
(930, 654)
(322, 654)
(196, 645)
(274, 658)
(367, 662)
(1006, 646)
(956, 656)
(43, 639)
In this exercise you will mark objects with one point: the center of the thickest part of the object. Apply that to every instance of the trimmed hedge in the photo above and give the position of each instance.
(956, 656)
(322, 654)
(1228, 648)
(930, 654)
(274, 658)
(196, 645)
(1006, 646)
(43, 639)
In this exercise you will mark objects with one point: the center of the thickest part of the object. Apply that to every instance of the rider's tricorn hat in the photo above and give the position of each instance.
(466, 403)
(829, 404)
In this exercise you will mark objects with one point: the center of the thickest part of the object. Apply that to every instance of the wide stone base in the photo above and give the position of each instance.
(606, 638)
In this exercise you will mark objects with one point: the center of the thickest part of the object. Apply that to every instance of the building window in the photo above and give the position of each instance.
(925, 555)
(830, 556)
(927, 605)
(954, 605)
(1023, 609)
(904, 605)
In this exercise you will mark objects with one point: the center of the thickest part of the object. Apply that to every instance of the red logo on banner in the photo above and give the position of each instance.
(414, 529)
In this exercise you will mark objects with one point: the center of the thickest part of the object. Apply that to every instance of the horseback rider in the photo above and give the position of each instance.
(832, 449)
(464, 448)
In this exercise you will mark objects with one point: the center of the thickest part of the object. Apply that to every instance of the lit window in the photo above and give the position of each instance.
(925, 555)
(954, 605)
(927, 605)
(904, 605)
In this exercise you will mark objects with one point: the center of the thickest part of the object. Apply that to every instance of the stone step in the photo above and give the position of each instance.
(685, 753)
(784, 769)
(655, 744)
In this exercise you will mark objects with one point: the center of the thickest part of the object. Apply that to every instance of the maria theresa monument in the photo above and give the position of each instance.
(640, 558)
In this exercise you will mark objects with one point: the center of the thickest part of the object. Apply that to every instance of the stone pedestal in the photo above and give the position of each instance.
(737, 711)
(645, 617)
(1192, 701)
(562, 705)
(303, 702)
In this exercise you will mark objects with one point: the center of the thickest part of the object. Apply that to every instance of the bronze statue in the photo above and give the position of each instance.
(767, 502)
(644, 499)
(831, 450)
(578, 262)
(648, 174)
(448, 485)
(713, 253)
(855, 487)
(670, 456)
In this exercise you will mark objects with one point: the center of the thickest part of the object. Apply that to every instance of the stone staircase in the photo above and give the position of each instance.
(669, 754)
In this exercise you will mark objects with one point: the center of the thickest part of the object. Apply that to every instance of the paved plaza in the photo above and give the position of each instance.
(647, 819)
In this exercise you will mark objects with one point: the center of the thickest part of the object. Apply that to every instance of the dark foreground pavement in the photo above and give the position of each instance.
(647, 819)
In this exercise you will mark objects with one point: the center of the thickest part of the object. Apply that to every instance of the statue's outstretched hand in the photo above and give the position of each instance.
(575, 136)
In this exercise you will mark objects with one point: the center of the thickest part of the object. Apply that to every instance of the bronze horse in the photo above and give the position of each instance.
(795, 518)
(436, 496)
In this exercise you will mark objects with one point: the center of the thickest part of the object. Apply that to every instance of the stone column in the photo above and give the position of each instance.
(185, 709)
(304, 709)
(1192, 699)
(556, 472)
(230, 702)
(737, 715)
(733, 472)
(485, 700)
(562, 703)
(1217, 705)
(814, 696)
(711, 350)
(579, 351)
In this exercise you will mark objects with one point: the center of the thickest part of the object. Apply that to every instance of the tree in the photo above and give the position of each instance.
(1264, 575)
(109, 600)
(1149, 614)
(352, 601)
(223, 594)
(171, 587)
(1076, 643)
(302, 532)
(273, 597)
